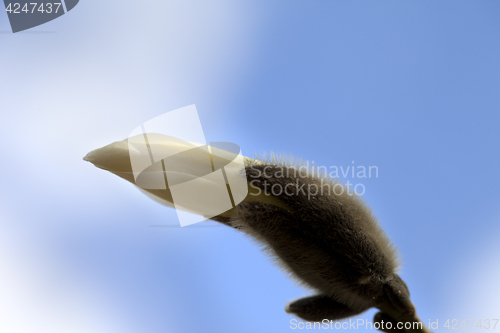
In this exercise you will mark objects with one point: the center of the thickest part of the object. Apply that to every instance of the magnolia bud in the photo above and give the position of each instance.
(326, 237)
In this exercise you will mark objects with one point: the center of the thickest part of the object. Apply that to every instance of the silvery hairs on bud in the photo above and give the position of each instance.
(327, 240)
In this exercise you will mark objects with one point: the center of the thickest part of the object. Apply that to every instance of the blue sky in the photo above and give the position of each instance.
(411, 87)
